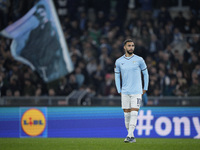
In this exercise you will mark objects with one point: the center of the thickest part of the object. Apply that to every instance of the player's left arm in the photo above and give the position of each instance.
(146, 80)
(145, 73)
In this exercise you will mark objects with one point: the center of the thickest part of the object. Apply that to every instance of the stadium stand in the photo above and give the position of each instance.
(168, 39)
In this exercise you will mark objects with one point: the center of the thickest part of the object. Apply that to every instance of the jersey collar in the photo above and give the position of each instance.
(128, 57)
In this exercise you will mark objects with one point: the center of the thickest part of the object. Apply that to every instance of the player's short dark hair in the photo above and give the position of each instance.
(128, 40)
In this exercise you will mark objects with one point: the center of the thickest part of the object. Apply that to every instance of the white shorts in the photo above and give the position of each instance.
(131, 101)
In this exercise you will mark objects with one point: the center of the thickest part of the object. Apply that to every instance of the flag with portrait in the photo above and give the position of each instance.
(38, 41)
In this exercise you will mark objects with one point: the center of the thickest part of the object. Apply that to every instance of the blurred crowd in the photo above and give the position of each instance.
(94, 31)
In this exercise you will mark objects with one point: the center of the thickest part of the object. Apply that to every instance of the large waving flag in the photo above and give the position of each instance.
(38, 41)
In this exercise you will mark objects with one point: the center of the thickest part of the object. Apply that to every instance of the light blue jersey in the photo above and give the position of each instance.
(130, 69)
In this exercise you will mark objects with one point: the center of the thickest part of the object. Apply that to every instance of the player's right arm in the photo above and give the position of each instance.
(117, 77)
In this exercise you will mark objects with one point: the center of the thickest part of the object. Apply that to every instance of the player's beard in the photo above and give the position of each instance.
(130, 52)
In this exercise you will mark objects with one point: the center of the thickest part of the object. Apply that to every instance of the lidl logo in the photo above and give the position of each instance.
(33, 122)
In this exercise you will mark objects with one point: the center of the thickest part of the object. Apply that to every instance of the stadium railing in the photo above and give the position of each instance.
(80, 98)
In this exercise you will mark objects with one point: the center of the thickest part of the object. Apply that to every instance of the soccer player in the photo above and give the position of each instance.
(129, 67)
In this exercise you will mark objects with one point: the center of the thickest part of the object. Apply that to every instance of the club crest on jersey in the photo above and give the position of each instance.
(134, 61)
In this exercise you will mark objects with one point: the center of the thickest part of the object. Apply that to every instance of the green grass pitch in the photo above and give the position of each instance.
(97, 144)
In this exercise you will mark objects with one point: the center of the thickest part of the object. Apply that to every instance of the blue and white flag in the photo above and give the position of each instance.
(38, 41)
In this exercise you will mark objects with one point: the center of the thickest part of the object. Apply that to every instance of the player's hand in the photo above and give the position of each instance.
(144, 91)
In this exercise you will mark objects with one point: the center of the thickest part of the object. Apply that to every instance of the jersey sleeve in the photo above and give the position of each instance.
(117, 67)
(143, 65)
(144, 70)
(117, 77)
(146, 79)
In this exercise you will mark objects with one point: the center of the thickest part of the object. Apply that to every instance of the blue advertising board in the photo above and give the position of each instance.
(105, 122)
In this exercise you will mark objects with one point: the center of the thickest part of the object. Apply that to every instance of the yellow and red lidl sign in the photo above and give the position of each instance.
(33, 122)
